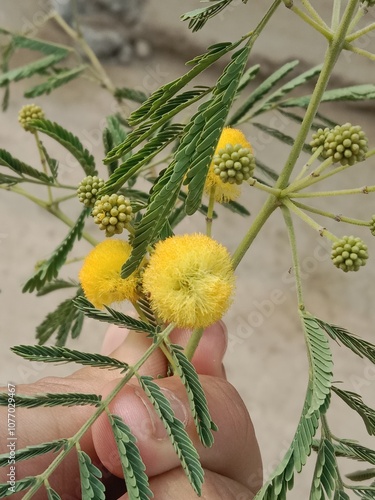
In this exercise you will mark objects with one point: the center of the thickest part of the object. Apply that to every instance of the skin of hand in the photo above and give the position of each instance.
(233, 467)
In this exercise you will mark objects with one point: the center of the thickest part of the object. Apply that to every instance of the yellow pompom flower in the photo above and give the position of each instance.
(100, 275)
(190, 280)
(225, 191)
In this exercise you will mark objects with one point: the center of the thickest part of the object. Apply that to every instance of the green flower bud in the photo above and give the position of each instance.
(234, 164)
(28, 113)
(88, 189)
(346, 144)
(349, 253)
(112, 213)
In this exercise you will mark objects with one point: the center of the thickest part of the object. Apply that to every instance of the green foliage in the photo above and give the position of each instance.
(354, 401)
(53, 54)
(132, 146)
(53, 354)
(192, 158)
(55, 81)
(50, 400)
(277, 134)
(54, 285)
(166, 92)
(282, 479)
(132, 465)
(361, 475)
(135, 162)
(130, 94)
(51, 494)
(180, 439)
(91, 486)
(262, 90)
(113, 317)
(197, 18)
(49, 269)
(354, 93)
(325, 474)
(197, 399)
(20, 485)
(34, 451)
(320, 360)
(359, 346)
(68, 141)
(155, 122)
(64, 320)
(21, 168)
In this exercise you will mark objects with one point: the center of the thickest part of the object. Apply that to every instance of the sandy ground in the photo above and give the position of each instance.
(266, 358)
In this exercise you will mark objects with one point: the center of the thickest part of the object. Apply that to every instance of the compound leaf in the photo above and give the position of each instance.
(68, 141)
(33, 451)
(320, 360)
(55, 81)
(113, 317)
(176, 432)
(49, 269)
(197, 398)
(132, 465)
(91, 486)
(53, 354)
(354, 401)
(49, 400)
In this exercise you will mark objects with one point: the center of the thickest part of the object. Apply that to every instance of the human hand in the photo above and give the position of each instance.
(232, 466)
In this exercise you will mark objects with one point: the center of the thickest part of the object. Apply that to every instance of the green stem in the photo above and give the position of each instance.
(307, 181)
(52, 209)
(360, 13)
(56, 201)
(330, 215)
(210, 211)
(361, 32)
(336, 13)
(262, 187)
(44, 163)
(73, 260)
(361, 52)
(310, 180)
(321, 230)
(22, 192)
(318, 27)
(341, 192)
(64, 218)
(269, 206)
(193, 342)
(313, 13)
(293, 246)
(77, 37)
(334, 49)
(72, 442)
(308, 164)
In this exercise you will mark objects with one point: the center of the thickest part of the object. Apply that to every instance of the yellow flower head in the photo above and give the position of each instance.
(224, 191)
(100, 275)
(190, 280)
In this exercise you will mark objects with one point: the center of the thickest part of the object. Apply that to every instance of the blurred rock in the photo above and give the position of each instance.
(109, 27)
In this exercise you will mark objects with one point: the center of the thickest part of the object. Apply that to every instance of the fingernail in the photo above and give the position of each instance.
(157, 429)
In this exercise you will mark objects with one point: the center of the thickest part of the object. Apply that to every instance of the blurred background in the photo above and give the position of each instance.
(143, 45)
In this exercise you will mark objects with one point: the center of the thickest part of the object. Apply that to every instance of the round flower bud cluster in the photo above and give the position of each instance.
(112, 213)
(346, 143)
(88, 189)
(28, 113)
(349, 253)
(234, 163)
